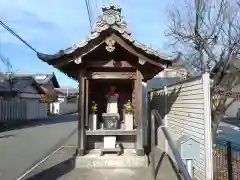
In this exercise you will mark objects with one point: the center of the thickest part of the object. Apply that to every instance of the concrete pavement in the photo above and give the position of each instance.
(23, 147)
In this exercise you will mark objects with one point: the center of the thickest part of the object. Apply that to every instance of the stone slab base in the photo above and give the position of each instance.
(128, 159)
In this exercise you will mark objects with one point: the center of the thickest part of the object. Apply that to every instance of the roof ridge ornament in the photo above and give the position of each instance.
(111, 16)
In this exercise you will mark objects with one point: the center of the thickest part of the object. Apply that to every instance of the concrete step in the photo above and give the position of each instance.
(128, 159)
(109, 174)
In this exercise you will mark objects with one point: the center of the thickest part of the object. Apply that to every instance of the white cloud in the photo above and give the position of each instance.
(44, 22)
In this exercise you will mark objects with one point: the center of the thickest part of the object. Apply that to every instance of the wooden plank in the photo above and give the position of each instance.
(188, 106)
(187, 110)
(185, 101)
(113, 75)
(118, 132)
(186, 114)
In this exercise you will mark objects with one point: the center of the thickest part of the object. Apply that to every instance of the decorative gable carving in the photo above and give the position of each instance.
(111, 16)
(110, 42)
(141, 61)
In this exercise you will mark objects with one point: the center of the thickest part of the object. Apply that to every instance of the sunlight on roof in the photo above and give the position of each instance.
(41, 77)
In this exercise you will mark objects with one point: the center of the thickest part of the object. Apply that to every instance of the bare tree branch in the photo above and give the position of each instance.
(208, 35)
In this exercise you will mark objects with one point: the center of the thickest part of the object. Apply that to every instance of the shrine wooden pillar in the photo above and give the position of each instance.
(86, 100)
(81, 120)
(139, 118)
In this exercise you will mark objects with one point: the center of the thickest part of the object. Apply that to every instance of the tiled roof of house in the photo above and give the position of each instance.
(40, 78)
(20, 83)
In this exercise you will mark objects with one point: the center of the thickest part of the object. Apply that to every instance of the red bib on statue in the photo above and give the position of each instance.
(113, 93)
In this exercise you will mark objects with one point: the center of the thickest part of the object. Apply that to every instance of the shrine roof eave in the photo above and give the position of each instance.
(145, 50)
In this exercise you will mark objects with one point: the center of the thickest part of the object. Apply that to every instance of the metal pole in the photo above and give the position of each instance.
(190, 166)
(229, 161)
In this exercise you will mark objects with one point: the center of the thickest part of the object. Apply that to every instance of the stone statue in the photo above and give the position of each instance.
(112, 100)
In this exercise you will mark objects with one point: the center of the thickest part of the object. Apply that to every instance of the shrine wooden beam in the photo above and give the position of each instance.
(110, 63)
(112, 75)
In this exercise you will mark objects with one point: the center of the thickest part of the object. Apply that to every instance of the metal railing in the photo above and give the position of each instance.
(156, 118)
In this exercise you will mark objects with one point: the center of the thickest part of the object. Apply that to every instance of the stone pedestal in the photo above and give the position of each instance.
(109, 142)
(128, 122)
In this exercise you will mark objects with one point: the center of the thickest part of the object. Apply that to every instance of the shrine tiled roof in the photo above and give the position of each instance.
(111, 19)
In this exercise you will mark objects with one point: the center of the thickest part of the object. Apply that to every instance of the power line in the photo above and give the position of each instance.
(87, 3)
(17, 36)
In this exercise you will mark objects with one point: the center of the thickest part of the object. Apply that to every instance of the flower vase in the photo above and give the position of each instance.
(93, 122)
(128, 122)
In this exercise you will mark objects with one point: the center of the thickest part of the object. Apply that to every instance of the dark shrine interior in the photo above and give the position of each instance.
(98, 89)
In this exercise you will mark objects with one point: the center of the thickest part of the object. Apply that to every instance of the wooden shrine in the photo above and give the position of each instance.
(110, 56)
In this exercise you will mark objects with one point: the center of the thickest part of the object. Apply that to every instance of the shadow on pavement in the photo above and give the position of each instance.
(165, 167)
(38, 122)
(159, 164)
(6, 136)
(175, 169)
(56, 171)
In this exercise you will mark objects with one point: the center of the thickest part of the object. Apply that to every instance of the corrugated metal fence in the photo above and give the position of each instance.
(185, 107)
(12, 110)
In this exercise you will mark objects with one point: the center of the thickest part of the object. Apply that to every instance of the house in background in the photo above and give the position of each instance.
(37, 86)
(26, 96)
(177, 72)
(67, 100)
(65, 92)
(27, 88)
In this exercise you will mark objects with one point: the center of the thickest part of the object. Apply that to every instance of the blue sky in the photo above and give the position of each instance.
(51, 25)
